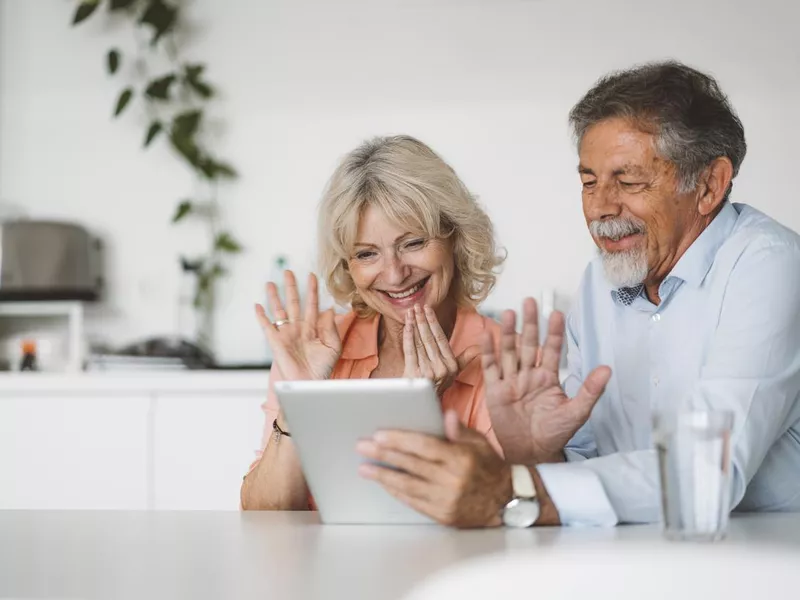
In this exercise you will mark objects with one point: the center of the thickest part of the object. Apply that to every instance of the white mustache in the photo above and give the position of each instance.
(616, 228)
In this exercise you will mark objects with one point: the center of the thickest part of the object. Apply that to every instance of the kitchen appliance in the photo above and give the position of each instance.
(48, 260)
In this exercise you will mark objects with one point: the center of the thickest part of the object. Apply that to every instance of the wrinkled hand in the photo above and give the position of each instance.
(427, 351)
(531, 415)
(308, 345)
(460, 481)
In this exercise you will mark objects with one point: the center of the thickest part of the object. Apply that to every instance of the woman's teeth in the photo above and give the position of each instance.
(407, 293)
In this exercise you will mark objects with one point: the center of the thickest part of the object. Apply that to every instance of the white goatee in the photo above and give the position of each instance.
(626, 268)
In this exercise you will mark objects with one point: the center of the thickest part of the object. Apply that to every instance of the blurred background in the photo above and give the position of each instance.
(298, 83)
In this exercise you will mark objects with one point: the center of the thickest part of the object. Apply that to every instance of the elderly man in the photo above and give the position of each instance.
(691, 299)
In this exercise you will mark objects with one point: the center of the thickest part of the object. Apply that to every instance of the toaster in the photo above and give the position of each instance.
(48, 260)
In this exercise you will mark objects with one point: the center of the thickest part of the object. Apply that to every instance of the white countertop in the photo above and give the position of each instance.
(138, 381)
(198, 555)
(135, 381)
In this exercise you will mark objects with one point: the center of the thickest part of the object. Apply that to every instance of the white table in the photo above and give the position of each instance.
(197, 555)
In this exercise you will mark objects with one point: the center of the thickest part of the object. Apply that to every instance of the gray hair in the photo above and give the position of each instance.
(691, 118)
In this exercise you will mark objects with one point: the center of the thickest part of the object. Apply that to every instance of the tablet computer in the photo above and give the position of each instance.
(327, 419)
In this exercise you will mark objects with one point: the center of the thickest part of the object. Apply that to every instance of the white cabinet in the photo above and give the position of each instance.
(176, 441)
(203, 445)
(67, 451)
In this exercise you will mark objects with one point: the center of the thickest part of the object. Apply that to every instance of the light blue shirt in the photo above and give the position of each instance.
(726, 335)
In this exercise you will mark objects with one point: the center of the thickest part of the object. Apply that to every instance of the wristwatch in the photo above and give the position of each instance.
(523, 509)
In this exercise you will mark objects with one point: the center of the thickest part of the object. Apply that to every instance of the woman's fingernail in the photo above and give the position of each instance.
(367, 470)
(366, 447)
(380, 437)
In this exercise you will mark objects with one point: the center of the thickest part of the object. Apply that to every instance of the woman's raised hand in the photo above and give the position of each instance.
(305, 343)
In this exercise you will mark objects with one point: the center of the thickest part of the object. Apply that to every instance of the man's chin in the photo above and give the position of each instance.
(624, 269)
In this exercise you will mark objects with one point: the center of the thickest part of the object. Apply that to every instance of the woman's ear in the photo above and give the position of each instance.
(715, 183)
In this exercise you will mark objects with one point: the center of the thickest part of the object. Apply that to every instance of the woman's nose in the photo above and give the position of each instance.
(395, 271)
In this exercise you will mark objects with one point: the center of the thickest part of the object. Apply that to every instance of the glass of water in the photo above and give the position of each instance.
(694, 460)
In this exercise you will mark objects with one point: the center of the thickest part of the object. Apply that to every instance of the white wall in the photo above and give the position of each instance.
(488, 83)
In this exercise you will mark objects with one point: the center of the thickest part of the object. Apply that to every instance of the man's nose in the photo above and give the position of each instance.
(603, 203)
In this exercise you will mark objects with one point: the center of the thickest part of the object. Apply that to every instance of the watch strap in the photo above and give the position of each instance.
(522, 482)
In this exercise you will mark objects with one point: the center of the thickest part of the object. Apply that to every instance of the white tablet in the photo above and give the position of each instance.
(327, 419)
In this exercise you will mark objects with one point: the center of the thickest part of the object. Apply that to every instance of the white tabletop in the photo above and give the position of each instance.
(110, 554)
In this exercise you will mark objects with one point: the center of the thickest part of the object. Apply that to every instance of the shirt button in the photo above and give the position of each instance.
(656, 317)
(655, 381)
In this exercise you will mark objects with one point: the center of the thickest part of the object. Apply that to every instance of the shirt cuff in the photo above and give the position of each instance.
(578, 495)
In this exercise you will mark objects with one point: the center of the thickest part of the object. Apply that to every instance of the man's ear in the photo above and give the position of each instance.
(713, 185)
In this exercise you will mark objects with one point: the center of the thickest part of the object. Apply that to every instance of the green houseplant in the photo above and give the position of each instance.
(175, 102)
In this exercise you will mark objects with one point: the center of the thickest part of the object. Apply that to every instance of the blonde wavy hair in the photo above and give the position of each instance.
(415, 188)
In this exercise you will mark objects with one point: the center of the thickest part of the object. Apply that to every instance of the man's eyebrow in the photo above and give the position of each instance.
(629, 169)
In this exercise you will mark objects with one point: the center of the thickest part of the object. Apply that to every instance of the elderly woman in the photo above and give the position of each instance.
(404, 243)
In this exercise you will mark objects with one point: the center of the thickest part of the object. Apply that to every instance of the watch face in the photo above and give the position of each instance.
(521, 513)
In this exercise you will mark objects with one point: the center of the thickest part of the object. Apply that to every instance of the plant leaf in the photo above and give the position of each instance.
(203, 89)
(184, 208)
(120, 4)
(113, 60)
(194, 71)
(192, 76)
(185, 124)
(159, 88)
(123, 100)
(188, 150)
(152, 131)
(85, 10)
(213, 169)
(208, 168)
(191, 265)
(225, 170)
(226, 243)
(161, 16)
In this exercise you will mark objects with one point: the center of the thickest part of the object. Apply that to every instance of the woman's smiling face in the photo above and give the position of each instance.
(393, 269)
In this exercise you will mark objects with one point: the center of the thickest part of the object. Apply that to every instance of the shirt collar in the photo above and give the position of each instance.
(696, 262)
(361, 340)
(361, 337)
